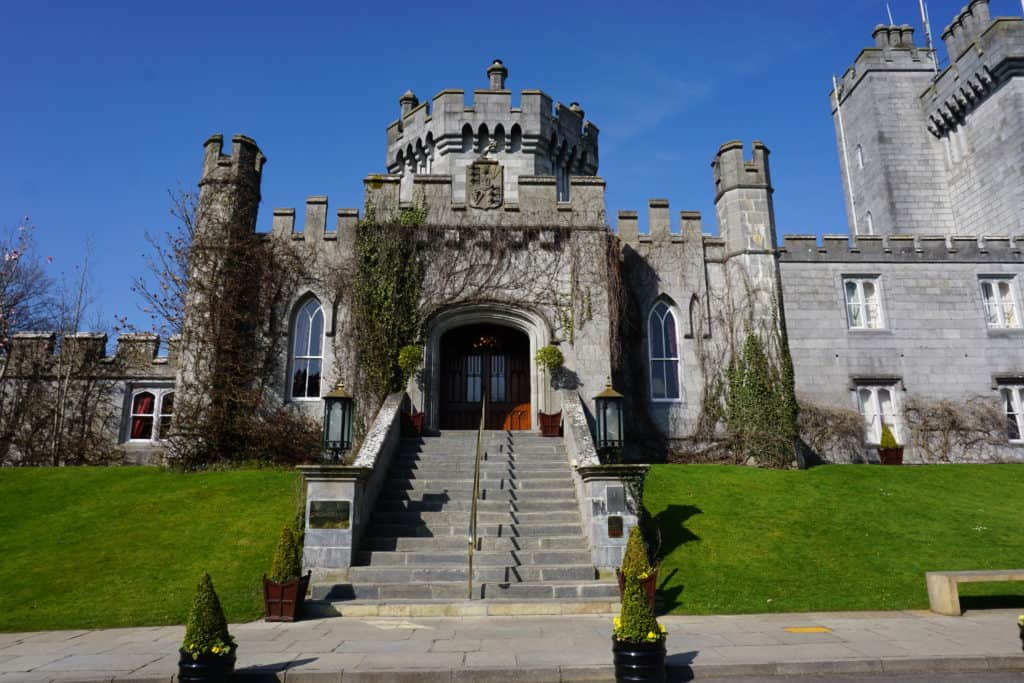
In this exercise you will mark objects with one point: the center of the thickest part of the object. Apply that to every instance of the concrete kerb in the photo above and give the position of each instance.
(600, 674)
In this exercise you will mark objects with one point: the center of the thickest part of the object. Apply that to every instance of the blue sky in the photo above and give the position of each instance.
(106, 105)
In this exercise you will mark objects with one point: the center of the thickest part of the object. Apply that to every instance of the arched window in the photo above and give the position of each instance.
(499, 138)
(483, 139)
(515, 138)
(307, 350)
(467, 138)
(148, 405)
(664, 353)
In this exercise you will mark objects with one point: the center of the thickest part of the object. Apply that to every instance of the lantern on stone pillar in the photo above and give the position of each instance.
(338, 409)
(608, 409)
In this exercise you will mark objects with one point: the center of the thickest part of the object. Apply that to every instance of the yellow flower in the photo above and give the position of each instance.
(216, 649)
(617, 622)
(652, 635)
(1020, 620)
(662, 627)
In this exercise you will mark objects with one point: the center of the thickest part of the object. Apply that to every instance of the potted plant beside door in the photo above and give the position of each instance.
(889, 451)
(550, 359)
(284, 591)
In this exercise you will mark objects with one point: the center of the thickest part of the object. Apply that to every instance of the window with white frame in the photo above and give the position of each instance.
(863, 303)
(152, 411)
(1013, 407)
(999, 296)
(664, 353)
(878, 404)
(307, 350)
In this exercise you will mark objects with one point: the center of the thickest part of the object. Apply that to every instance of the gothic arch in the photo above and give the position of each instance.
(536, 328)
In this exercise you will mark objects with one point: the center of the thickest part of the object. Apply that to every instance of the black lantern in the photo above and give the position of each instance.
(608, 406)
(337, 421)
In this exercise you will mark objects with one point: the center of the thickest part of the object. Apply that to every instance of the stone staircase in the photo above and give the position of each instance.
(531, 557)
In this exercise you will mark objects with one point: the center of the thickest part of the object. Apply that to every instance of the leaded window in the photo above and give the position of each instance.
(1000, 301)
(307, 350)
(863, 303)
(664, 353)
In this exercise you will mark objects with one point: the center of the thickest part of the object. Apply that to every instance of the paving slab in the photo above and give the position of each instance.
(536, 648)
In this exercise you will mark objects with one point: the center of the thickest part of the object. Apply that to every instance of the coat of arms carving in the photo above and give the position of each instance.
(485, 180)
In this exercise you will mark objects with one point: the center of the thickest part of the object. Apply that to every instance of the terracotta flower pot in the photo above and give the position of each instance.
(550, 423)
(208, 668)
(412, 425)
(283, 601)
(639, 662)
(650, 584)
(891, 456)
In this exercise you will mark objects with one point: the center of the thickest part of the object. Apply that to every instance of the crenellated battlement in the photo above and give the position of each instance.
(34, 353)
(975, 74)
(659, 225)
(314, 227)
(901, 248)
(972, 21)
(894, 50)
(733, 171)
(539, 137)
(243, 164)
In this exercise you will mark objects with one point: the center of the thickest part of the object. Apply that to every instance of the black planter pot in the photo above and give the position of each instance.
(205, 668)
(639, 662)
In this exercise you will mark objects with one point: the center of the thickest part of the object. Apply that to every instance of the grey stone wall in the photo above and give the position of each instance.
(935, 343)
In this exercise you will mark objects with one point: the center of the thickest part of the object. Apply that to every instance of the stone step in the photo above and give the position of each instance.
(456, 517)
(468, 468)
(488, 475)
(412, 575)
(491, 495)
(462, 483)
(442, 543)
(560, 504)
(481, 558)
(492, 530)
(492, 607)
(457, 590)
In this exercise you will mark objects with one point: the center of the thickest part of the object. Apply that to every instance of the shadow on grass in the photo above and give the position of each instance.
(973, 602)
(671, 523)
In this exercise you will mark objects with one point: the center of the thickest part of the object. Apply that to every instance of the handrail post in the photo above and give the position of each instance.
(476, 491)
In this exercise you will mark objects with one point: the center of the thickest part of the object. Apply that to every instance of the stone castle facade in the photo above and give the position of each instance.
(918, 310)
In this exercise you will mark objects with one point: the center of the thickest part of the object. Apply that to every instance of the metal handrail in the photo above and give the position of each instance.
(476, 491)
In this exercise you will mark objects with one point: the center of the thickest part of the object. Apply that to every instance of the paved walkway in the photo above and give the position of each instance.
(533, 648)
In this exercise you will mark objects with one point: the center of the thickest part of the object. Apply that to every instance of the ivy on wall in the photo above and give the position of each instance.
(760, 405)
(385, 294)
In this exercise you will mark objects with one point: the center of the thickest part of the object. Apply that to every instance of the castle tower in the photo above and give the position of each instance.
(444, 136)
(229, 196)
(896, 167)
(746, 222)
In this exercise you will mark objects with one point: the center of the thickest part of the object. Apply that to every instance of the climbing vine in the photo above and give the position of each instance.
(385, 296)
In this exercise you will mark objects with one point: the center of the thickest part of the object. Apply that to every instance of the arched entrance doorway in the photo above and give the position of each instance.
(481, 360)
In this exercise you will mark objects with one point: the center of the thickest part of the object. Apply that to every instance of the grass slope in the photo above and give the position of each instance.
(104, 547)
(744, 540)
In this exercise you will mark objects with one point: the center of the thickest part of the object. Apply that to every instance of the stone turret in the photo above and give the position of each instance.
(229, 197)
(444, 136)
(743, 198)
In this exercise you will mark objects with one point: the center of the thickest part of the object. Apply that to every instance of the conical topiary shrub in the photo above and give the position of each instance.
(635, 563)
(208, 653)
(287, 562)
(638, 642)
(207, 629)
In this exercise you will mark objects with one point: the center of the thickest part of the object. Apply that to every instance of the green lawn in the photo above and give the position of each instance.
(744, 540)
(102, 547)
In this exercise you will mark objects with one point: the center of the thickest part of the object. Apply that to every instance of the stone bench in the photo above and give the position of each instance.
(943, 596)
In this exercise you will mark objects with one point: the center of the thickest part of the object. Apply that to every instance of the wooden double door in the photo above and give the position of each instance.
(485, 360)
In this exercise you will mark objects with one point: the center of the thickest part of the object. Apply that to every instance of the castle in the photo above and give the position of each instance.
(912, 316)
